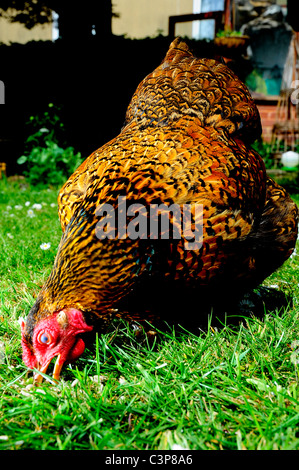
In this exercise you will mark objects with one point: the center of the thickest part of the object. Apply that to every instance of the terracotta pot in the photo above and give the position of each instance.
(233, 42)
(231, 46)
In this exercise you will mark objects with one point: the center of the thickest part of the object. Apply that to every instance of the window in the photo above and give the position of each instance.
(205, 29)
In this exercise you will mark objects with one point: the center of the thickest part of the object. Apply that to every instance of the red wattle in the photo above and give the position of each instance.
(76, 350)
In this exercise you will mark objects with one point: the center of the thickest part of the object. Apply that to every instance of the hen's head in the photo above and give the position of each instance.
(54, 336)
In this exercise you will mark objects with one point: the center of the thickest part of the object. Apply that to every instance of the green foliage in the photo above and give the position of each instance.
(47, 160)
(224, 33)
(256, 82)
(289, 178)
(47, 125)
(50, 164)
(264, 149)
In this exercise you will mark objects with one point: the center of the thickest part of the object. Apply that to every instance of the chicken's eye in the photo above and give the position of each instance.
(45, 338)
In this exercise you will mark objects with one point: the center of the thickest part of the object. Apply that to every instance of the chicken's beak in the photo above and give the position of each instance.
(38, 378)
(57, 368)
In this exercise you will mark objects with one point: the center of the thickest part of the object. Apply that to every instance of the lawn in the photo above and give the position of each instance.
(231, 388)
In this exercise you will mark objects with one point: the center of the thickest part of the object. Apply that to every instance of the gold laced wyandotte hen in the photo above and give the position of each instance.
(185, 144)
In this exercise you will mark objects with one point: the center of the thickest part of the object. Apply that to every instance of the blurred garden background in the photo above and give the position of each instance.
(67, 73)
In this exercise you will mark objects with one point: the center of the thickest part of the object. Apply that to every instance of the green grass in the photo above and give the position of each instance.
(233, 388)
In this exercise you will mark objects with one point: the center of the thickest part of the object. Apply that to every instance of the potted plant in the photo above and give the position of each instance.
(231, 40)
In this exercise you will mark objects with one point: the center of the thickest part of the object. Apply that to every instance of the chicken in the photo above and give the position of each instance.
(185, 145)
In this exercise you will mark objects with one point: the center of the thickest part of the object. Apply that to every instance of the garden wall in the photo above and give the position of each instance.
(267, 109)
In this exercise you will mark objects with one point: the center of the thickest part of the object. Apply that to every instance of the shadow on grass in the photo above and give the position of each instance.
(146, 328)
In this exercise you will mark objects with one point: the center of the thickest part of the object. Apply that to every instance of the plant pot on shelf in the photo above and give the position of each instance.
(231, 46)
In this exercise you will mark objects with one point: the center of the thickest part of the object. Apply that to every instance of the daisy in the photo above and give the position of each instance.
(38, 207)
(45, 246)
(27, 203)
(30, 213)
(178, 447)
(10, 235)
(18, 207)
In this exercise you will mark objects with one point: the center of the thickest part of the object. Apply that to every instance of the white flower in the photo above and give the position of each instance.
(18, 207)
(178, 447)
(43, 129)
(53, 204)
(38, 207)
(11, 215)
(27, 203)
(8, 208)
(30, 213)
(45, 246)
(74, 383)
(10, 235)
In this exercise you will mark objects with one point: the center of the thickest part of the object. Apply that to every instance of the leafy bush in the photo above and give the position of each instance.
(264, 149)
(256, 82)
(50, 164)
(46, 158)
